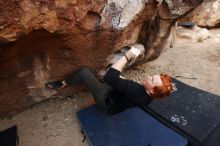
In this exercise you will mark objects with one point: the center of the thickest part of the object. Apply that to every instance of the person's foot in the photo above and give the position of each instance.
(55, 85)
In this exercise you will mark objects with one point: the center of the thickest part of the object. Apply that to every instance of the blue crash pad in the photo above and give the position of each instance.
(133, 127)
(192, 112)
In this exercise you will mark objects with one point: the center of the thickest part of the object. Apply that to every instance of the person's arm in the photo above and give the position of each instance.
(119, 65)
(112, 76)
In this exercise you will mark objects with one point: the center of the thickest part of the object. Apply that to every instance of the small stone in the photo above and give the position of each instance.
(44, 118)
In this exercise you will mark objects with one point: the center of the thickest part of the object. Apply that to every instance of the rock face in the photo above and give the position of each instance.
(206, 15)
(195, 34)
(44, 40)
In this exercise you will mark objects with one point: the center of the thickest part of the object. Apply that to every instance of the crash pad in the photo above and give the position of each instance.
(192, 112)
(132, 127)
(9, 137)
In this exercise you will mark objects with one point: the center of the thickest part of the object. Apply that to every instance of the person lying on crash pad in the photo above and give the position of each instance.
(116, 93)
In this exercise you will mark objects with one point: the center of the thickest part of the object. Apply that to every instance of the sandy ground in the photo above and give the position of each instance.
(53, 122)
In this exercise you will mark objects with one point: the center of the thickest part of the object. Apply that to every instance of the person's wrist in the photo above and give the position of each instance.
(129, 55)
(126, 57)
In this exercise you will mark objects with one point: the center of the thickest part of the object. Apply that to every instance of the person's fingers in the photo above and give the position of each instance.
(135, 51)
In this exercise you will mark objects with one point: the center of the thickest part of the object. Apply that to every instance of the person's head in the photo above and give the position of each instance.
(157, 86)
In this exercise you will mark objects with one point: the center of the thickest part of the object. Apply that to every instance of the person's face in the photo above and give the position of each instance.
(150, 82)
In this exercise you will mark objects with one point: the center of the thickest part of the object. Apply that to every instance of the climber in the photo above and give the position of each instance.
(116, 93)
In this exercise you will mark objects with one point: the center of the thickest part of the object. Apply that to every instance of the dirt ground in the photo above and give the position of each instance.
(53, 122)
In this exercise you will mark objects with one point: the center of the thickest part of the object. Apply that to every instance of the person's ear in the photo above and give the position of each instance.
(151, 91)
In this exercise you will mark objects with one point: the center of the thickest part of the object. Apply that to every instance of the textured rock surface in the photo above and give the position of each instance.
(195, 34)
(206, 15)
(43, 40)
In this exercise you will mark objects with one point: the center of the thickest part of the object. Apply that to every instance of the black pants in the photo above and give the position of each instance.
(98, 89)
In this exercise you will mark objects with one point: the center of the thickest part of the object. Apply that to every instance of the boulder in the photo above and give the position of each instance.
(44, 40)
(206, 15)
(195, 34)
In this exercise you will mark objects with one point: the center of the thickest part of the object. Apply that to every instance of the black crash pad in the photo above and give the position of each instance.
(133, 127)
(8, 137)
(192, 112)
(214, 138)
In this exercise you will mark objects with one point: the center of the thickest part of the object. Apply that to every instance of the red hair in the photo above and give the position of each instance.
(163, 90)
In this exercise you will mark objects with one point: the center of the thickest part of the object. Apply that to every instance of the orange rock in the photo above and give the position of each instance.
(42, 41)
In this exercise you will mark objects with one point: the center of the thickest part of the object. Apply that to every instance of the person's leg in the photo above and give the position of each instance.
(99, 90)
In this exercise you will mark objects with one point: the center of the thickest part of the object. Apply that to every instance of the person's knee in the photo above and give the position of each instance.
(85, 71)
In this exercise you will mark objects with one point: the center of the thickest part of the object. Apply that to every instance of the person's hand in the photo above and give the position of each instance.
(136, 52)
(133, 53)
